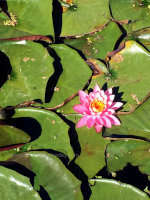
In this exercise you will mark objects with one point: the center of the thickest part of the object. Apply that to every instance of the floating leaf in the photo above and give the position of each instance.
(99, 44)
(18, 186)
(10, 135)
(51, 174)
(51, 131)
(129, 71)
(30, 67)
(27, 23)
(137, 13)
(120, 153)
(78, 21)
(135, 124)
(106, 189)
(91, 159)
(73, 73)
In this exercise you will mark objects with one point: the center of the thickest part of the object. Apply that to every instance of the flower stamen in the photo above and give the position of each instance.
(97, 106)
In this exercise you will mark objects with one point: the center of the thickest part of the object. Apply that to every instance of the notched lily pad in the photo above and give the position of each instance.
(51, 174)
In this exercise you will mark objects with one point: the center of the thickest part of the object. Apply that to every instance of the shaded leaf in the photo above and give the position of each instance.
(10, 135)
(91, 159)
(120, 153)
(51, 130)
(24, 59)
(72, 74)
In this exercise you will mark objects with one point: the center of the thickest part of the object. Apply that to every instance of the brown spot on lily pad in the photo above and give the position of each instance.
(117, 58)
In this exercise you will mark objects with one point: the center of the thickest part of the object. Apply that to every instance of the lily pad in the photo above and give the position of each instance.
(6, 154)
(51, 131)
(99, 44)
(92, 157)
(137, 13)
(72, 74)
(32, 18)
(106, 189)
(120, 153)
(10, 135)
(18, 186)
(30, 67)
(142, 36)
(77, 20)
(51, 174)
(133, 125)
(129, 72)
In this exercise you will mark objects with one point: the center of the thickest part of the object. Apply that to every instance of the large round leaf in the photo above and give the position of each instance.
(49, 129)
(10, 135)
(14, 186)
(106, 189)
(129, 72)
(30, 66)
(33, 18)
(92, 157)
(136, 12)
(136, 152)
(142, 36)
(78, 21)
(135, 124)
(99, 44)
(51, 174)
(72, 74)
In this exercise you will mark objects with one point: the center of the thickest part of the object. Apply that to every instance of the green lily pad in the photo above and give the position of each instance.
(30, 66)
(18, 186)
(6, 154)
(129, 70)
(52, 130)
(106, 189)
(136, 12)
(120, 153)
(78, 21)
(51, 174)
(10, 135)
(92, 157)
(135, 124)
(99, 44)
(73, 72)
(142, 36)
(28, 18)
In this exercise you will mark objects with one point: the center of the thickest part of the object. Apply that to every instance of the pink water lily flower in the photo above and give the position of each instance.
(97, 108)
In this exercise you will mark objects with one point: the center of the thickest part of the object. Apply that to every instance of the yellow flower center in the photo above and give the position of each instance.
(97, 105)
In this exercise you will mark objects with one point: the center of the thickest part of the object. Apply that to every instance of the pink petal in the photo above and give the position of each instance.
(109, 112)
(108, 104)
(111, 98)
(99, 120)
(80, 109)
(102, 93)
(83, 96)
(90, 122)
(114, 120)
(107, 122)
(109, 91)
(116, 105)
(98, 128)
(83, 121)
(96, 88)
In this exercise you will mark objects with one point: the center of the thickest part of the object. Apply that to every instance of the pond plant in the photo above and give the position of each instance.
(75, 99)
